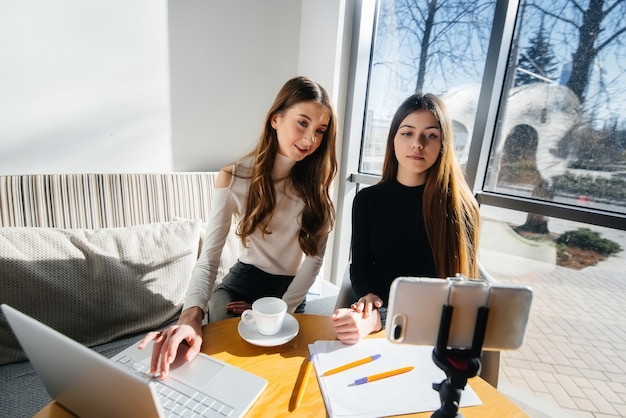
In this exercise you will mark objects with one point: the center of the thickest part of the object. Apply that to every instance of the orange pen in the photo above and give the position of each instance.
(383, 375)
(305, 378)
(350, 365)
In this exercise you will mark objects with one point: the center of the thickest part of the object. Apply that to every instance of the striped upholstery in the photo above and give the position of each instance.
(65, 261)
(103, 200)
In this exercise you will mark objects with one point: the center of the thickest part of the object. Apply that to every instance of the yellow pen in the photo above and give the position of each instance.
(383, 375)
(350, 365)
(305, 379)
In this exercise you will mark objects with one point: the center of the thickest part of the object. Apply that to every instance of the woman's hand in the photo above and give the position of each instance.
(351, 326)
(366, 304)
(166, 342)
(237, 307)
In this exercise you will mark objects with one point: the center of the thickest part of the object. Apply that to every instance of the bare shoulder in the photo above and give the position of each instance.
(224, 177)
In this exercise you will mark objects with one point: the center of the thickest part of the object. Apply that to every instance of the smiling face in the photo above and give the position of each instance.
(300, 129)
(417, 145)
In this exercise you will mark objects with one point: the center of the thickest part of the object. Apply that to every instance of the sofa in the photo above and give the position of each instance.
(102, 258)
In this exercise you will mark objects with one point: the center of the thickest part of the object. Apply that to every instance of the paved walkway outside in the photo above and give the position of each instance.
(573, 360)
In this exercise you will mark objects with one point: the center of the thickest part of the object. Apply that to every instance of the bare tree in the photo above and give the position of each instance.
(599, 26)
(437, 35)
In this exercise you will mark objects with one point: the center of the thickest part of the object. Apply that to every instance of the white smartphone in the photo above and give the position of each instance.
(416, 306)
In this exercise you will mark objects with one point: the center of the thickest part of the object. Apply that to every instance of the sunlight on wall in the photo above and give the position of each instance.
(85, 87)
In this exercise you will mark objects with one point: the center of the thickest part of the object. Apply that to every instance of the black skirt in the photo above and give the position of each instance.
(248, 283)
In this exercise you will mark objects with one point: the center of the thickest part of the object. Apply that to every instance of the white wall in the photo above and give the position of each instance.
(229, 58)
(84, 86)
(152, 85)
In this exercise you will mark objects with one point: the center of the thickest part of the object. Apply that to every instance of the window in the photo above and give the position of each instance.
(561, 135)
(555, 133)
(416, 48)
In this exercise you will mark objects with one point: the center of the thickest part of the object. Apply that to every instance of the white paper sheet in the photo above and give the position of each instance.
(401, 394)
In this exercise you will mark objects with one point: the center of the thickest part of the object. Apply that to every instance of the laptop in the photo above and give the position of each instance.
(91, 385)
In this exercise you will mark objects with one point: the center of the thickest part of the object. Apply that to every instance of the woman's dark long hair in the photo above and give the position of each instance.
(451, 212)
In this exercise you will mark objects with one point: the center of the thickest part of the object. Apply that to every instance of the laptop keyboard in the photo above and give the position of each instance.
(177, 399)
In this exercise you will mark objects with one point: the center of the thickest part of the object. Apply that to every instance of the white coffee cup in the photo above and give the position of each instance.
(268, 314)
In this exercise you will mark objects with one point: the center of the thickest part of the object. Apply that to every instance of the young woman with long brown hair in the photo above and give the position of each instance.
(421, 219)
(280, 195)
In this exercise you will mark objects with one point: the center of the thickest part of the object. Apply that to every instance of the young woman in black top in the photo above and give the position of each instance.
(421, 219)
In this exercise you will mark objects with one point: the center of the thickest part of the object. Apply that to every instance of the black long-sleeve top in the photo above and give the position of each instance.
(388, 238)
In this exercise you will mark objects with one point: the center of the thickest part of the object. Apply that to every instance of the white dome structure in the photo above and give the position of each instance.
(551, 109)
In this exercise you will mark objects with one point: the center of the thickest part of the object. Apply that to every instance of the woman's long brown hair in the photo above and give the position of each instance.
(310, 178)
(451, 212)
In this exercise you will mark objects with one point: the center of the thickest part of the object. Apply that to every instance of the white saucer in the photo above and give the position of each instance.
(289, 330)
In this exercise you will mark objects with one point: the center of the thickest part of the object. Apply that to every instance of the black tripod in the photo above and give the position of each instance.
(458, 364)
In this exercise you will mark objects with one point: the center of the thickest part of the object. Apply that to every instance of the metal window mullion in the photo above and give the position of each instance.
(491, 93)
(363, 31)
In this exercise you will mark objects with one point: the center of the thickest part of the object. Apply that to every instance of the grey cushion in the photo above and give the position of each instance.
(95, 285)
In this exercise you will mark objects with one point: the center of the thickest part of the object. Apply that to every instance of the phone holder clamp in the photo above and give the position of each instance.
(458, 364)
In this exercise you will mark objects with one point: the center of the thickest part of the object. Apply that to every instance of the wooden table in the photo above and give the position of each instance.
(283, 367)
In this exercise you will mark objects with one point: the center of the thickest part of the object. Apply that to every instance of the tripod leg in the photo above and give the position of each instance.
(450, 397)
